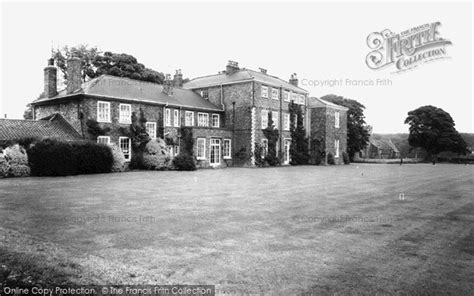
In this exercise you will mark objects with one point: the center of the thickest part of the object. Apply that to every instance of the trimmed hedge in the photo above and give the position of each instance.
(55, 158)
(184, 162)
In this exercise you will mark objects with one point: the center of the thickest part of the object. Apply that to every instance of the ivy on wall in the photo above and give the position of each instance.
(272, 135)
(299, 142)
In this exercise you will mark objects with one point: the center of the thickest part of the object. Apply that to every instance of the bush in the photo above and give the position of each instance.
(155, 155)
(14, 162)
(119, 159)
(345, 158)
(331, 160)
(16, 155)
(184, 162)
(19, 171)
(55, 158)
(4, 166)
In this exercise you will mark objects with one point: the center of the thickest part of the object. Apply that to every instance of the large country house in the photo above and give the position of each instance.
(226, 112)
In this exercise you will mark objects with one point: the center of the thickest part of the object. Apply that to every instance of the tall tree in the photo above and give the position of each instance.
(358, 132)
(432, 129)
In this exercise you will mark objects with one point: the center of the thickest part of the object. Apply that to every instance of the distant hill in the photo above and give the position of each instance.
(401, 141)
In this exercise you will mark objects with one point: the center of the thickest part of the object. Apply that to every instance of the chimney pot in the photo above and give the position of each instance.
(50, 80)
(264, 71)
(231, 67)
(294, 79)
(74, 79)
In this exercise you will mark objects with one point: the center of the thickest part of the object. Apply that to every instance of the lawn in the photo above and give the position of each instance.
(288, 230)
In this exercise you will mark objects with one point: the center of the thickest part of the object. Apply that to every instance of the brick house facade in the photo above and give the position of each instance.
(227, 112)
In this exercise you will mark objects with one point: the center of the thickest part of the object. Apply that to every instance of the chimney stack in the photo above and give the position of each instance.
(294, 79)
(264, 71)
(74, 79)
(168, 85)
(178, 79)
(50, 80)
(231, 67)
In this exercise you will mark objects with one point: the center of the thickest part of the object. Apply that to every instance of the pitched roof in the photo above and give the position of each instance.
(135, 90)
(241, 76)
(53, 126)
(316, 102)
(385, 144)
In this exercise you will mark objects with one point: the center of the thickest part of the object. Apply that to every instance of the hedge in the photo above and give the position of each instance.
(55, 158)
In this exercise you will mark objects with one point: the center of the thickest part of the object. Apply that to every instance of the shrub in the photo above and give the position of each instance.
(19, 171)
(119, 159)
(55, 158)
(4, 166)
(184, 162)
(345, 158)
(331, 159)
(155, 155)
(16, 155)
(14, 162)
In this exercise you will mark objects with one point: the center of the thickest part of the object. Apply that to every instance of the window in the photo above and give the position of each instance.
(103, 111)
(201, 148)
(227, 150)
(302, 99)
(215, 120)
(275, 93)
(264, 147)
(264, 92)
(336, 119)
(205, 94)
(286, 121)
(126, 147)
(151, 129)
(125, 113)
(275, 119)
(189, 118)
(336, 148)
(286, 96)
(203, 119)
(103, 140)
(293, 97)
(264, 119)
(176, 117)
(215, 151)
(167, 117)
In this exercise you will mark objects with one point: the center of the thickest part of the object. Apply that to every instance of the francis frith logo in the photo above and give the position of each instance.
(407, 49)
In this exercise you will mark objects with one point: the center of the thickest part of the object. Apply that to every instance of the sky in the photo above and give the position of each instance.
(325, 43)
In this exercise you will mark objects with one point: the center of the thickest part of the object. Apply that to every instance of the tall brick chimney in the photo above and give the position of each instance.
(168, 85)
(178, 79)
(231, 67)
(294, 79)
(50, 80)
(74, 79)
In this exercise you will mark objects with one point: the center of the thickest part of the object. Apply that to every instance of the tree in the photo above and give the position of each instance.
(125, 65)
(84, 52)
(272, 135)
(28, 114)
(432, 129)
(299, 152)
(358, 132)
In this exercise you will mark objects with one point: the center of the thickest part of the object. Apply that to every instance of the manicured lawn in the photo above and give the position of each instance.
(275, 230)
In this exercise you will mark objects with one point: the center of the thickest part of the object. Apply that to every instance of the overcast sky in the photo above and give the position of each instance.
(318, 41)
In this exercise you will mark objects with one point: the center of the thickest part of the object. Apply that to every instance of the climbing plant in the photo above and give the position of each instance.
(299, 142)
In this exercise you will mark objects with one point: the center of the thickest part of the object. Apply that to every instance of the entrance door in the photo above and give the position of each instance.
(286, 150)
(215, 152)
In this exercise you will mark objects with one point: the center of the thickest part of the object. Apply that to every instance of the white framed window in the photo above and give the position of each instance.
(167, 117)
(301, 99)
(264, 115)
(103, 111)
(264, 147)
(275, 119)
(189, 118)
(205, 94)
(226, 153)
(264, 92)
(286, 121)
(126, 146)
(176, 117)
(286, 96)
(336, 148)
(336, 119)
(125, 113)
(294, 97)
(201, 148)
(214, 151)
(203, 119)
(215, 120)
(103, 140)
(151, 129)
(275, 93)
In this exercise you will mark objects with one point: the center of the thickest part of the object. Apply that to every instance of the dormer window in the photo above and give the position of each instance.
(205, 94)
